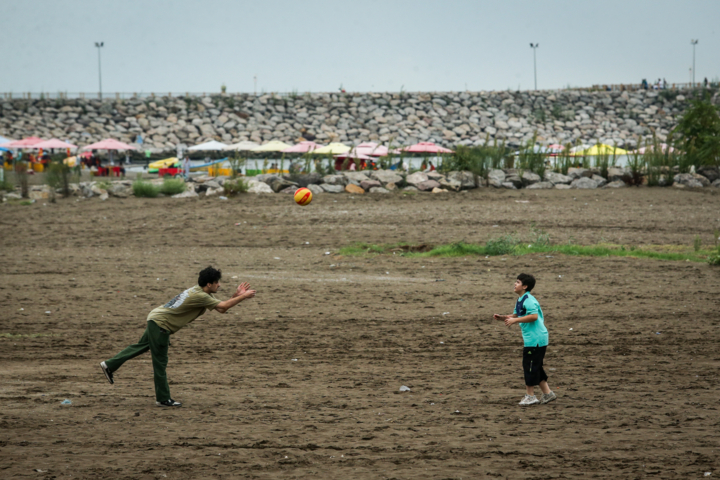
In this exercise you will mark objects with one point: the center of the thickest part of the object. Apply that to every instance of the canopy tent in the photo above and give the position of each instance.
(109, 144)
(426, 147)
(371, 149)
(333, 148)
(601, 149)
(302, 147)
(212, 145)
(272, 146)
(53, 143)
(4, 140)
(580, 148)
(24, 143)
(343, 157)
(244, 146)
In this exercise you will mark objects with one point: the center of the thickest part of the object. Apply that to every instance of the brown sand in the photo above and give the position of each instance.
(633, 350)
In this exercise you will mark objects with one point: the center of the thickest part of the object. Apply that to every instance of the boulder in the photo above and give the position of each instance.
(599, 181)
(439, 190)
(515, 180)
(379, 190)
(350, 188)
(212, 192)
(583, 183)
(13, 196)
(104, 196)
(557, 178)
(579, 172)
(716, 183)
(562, 186)
(211, 184)
(315, 189)
(291, 189)
(355, 176)
(121, 190)
(711, 173)
(687, 180)
(615, 184)
(702, 179)
(410, 188)
(335, 180)
(508, 185)
(391, 187)
(386, 176)
(496, 178)
(189, 193)
(305, 179)
(615, 173)
(278, 184)
(453, 185)
(540, 185)
(368, 184)
(466, 179)
(263, 177)
(427, 185)
(330, 188)
(434, 175)
(528, 178)
(40, 195)
(258, 187)
(416, 178)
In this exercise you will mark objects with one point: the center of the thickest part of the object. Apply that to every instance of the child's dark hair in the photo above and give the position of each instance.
(527, 280)
(210, 275)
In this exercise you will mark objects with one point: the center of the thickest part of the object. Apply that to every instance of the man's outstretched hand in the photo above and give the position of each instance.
(244, 291)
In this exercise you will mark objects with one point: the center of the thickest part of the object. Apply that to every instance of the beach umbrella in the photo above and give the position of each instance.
(354, 156)
(602, 149)
(302, 147)
(371, 149)
(272, 146)
(109, 144)
(212, 145)
(333, 148)
(24, 143)
(664, 148)
(4, 140)
(53, 143)
(426, 147)
(244, 146)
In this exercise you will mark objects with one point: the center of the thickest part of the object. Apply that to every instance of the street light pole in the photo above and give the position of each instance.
(99, 45)
(693, 43)
(534, 46)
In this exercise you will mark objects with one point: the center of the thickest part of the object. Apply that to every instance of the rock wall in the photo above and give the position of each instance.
(448, 119)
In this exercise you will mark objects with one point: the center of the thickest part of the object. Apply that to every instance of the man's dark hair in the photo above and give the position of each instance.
(527, 280)
(210, 275)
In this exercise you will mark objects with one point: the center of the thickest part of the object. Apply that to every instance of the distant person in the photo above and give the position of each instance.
(186, 166)
(644, 84)
(706, 82)
(535, 338)
(664, 84)
(167, 320)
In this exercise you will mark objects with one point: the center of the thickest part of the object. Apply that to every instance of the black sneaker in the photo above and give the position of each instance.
(107, 372)
(168, 403)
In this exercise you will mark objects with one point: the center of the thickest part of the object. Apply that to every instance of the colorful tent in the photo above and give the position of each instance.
(244, 146)
(602, 149)
(109, 144)
(370, 148)
(212, 145)
(302, 147)
(426, 147)
(24, 143)
(333, 148)
(53, 143)
(272, 146)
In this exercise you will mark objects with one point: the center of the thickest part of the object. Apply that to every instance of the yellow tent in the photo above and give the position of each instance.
(273, 146)
(333, 148)
(602, 149)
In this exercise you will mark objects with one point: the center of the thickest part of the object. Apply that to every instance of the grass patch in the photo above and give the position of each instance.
(142, 188)
(172, 186)
(509, 246)
(234, 187)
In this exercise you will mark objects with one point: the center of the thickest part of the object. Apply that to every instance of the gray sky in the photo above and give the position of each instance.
(369, 45)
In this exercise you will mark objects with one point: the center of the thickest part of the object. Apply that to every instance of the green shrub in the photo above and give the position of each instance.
(142, 188)
(501, 246)
(172, 186)
(697, 243)
(233, 187)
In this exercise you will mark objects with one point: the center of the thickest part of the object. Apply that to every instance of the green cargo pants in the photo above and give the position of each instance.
(157, 341)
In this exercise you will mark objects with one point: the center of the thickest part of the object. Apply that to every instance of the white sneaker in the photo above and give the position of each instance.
(529, 400)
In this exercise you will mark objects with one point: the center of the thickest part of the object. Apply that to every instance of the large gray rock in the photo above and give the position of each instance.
(427, 185)
(583, 183)
(496, 178)
(623, 174)
(263, 177)
(368, 184)
(417, 178)
(540, 185)
(453, 185)
(466, 179)
(509, 185)
(330, 188)
(514, 179)
(599, 181)
(702, 179)
(315, 189)
(687, 179)
(120, 190)
(305, 179)
(356, 176)
(379, 190)
(386, 176)
(278, 184)
(711, 173)
(335, 180)
(615, 184)
(579, 172)
(258, 187)
(557, 178)
(528, 178)
(562, 186)
(189, 193)
(716, 183)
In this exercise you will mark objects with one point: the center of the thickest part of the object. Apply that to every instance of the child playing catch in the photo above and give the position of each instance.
(535, 337)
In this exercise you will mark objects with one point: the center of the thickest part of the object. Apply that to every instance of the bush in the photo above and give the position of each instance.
(173, 186)
(500, 246)
(233, 187)
(145, 189)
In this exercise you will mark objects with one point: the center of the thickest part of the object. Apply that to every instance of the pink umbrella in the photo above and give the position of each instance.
(302, 147)
(370, 148)
(353, 155)
(109, 144)
(664, 148)
(53, 143)
(426, 147)
(24, 143)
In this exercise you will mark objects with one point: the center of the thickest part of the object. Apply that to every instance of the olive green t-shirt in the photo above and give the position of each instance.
(183, 309)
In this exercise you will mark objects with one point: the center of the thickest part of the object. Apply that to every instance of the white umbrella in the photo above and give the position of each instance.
(207, 146)
(244, 146)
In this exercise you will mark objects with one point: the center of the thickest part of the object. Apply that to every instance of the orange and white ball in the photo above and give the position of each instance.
(303, 196)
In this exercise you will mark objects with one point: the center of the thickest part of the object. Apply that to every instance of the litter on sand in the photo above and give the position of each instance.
(404, 389)
(66, 402)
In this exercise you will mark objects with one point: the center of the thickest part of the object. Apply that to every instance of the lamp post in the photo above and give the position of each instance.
(693, 43)
(99, 45)
(534, 46)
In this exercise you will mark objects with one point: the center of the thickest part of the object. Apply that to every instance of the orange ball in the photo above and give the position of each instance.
(303, 196)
